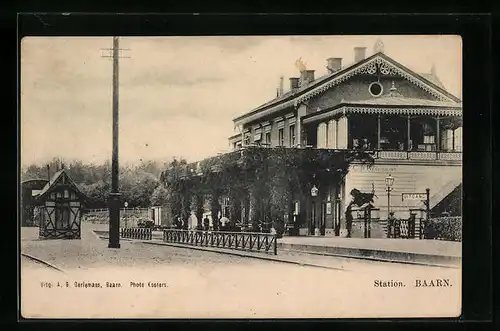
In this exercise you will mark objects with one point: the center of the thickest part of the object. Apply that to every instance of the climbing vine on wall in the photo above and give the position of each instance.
(269, 174)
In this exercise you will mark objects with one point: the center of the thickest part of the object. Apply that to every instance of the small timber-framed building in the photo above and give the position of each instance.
(59, 207)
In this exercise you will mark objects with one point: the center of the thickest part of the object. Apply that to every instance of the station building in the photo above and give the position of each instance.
(408, 121)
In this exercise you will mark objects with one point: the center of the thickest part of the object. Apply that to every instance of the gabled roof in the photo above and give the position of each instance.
(428, 82)
(52, 183)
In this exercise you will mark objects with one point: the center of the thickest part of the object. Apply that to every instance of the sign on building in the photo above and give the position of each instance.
(413, 196)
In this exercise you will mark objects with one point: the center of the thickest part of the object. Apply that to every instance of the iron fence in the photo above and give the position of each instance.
(137, 233)
(248, 241)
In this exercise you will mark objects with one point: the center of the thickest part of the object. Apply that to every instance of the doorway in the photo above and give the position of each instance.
(322, 227)
(312, 221)
(62, 215)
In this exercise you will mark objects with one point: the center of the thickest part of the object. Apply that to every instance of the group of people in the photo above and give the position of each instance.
(221, 224)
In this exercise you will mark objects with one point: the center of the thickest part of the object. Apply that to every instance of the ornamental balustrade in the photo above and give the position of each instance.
(137, 233)
(418, 155)
(247, 241)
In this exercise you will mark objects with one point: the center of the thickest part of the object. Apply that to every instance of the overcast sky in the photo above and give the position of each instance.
(178, 95)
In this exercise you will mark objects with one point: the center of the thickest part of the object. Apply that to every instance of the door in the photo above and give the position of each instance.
(62, 215)
(312, 219)
(322, 227)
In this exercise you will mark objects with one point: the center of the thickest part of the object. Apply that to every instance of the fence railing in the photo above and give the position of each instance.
(106, 210)
(137, 233)
(405, 228)
(248, 241)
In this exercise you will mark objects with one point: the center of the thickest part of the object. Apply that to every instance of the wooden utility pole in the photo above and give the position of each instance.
(114, 196)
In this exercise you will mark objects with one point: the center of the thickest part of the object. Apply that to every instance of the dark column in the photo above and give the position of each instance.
(453, 140)
(408, 134)
(349, 132)
(378, 131)
(114, 196)
(438, 133)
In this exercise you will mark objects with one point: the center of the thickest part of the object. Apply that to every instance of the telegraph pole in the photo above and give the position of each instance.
(114, 196)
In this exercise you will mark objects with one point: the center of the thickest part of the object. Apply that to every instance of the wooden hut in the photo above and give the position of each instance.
(60, 204)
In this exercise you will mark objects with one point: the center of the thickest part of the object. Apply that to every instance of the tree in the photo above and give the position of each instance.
(160, 196)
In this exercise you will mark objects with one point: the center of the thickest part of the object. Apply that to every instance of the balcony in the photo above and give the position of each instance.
(418, 155)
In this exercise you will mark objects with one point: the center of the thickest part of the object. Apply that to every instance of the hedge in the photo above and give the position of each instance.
(444, 228)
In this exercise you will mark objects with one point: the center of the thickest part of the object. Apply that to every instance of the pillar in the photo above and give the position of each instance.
(322, 136)
(332, 134)
(301, 111)
(342, 131)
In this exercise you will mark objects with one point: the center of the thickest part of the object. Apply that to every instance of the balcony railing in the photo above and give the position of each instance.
(418, 155)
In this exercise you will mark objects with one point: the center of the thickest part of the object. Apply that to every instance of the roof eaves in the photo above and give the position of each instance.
(402, 67)
(302, 90)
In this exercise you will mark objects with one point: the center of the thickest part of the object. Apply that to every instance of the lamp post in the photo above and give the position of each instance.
(314, 194)
(389, 181)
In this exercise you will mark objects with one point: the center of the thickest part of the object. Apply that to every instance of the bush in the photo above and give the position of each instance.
(444, 228)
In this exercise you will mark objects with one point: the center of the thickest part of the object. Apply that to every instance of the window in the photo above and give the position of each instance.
(281, 138)
(375, 89)
(268, 138)
(292, 135)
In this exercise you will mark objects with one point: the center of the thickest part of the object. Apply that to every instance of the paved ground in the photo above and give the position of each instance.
(209, 285)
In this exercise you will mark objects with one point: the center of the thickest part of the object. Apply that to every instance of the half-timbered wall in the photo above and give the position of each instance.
(61, 212)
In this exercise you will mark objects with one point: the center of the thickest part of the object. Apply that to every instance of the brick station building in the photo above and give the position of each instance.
(408, 122)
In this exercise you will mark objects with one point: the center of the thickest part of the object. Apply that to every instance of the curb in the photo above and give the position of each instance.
(50, 265)
(377, 255)
(266, 258)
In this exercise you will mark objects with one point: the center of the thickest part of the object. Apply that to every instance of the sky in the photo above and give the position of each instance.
(179, 95)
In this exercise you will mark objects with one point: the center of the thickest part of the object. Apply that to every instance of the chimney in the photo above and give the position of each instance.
(359, 54)
(334, 64)
(48, 172)
(280, 92)
(306, 77)
(294, 83)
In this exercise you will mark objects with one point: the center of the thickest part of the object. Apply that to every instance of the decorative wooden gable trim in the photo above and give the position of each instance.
(376, 64)
(343, 110)
(65, 180)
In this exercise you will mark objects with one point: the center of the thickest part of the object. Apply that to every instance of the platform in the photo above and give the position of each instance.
(397, 250)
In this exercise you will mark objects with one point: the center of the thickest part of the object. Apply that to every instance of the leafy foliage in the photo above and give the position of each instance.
(444, 228)
(137, 183)
(270, 175)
